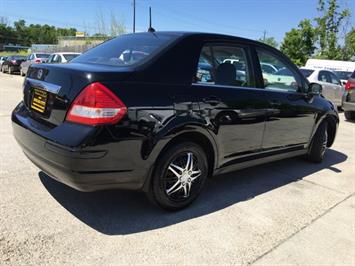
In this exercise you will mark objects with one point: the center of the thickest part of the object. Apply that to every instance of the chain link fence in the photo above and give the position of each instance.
(69, 44)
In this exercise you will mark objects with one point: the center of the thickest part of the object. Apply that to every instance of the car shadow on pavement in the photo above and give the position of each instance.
(120, 212)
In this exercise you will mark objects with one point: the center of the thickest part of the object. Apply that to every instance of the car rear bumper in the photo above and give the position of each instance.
(348, 106)
(84, 169)
(15, 67)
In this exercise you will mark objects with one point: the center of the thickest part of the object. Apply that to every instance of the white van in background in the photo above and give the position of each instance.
(342, 68)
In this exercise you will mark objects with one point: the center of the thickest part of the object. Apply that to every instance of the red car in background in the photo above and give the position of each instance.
(349, 98)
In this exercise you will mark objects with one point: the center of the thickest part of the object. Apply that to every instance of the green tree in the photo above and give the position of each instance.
(349, 47)
(298, 44)
(329, 24)
(269, 41)
(66, 32)
(21, 32)
(99, 35)
(7, 33)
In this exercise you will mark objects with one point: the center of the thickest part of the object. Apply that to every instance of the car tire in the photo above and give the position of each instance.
(179, 176)
(319, 143)
(349, 115)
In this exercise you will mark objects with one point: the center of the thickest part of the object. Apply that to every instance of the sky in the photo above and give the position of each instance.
(245, 18)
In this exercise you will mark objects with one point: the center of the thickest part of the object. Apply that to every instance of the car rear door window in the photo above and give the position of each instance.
(223, 65)
(324, 76)
(284, 79)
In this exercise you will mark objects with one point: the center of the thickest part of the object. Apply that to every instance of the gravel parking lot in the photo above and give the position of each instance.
(288, 212)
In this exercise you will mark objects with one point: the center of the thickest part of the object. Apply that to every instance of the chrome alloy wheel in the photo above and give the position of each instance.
(325, 142)
(181, 176)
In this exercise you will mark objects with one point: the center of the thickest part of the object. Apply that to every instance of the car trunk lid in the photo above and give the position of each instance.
(49, 89)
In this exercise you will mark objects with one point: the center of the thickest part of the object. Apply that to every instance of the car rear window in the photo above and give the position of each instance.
(70, 57)
(42, 55)
(127, 49)
(343, 74)
(306, 72)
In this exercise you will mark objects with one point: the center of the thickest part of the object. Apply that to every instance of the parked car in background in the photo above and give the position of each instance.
(349, 98)
(283, 76)
(57, 58)
(2, 60)
(34, 58)
(204, 72)
(165, 121)
(344, 76)
(333, 89)
(12, 64)
(268, 68)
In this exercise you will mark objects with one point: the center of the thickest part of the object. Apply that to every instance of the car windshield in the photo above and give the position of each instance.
(70, 57)
(343, 74)
(42, 55)
(306, 72)
(127, 49)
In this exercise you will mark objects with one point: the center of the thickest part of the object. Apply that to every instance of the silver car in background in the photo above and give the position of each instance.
(34, 58)
(333, 89)
(2, 60)
(64, 57)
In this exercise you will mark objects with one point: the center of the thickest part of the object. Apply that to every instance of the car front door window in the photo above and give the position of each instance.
(284, 79)
(334, 79)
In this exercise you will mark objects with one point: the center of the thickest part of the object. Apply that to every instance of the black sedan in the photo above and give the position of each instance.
(160, 112)
(12, 64)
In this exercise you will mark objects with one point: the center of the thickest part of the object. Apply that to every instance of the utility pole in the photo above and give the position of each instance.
(134, 16)
(264, 36)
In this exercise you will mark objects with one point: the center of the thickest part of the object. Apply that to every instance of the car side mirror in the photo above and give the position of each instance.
(315, 89)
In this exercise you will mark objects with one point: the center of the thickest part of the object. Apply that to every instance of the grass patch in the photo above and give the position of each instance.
(14, 53)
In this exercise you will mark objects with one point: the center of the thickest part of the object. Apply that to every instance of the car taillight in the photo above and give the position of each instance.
(96, 105)
(38, 61)
(349, 85)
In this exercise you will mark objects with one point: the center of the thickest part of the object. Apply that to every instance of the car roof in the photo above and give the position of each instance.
(204, 35)
(66, 53)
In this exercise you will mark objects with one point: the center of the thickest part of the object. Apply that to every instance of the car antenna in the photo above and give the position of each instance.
(150, 29)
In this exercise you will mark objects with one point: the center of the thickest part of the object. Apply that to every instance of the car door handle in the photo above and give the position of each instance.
(212, 100)
(275, 103)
